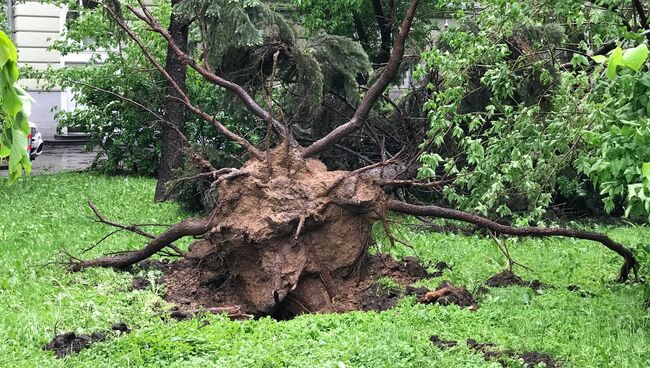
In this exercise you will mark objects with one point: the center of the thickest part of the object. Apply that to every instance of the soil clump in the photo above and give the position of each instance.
(508, 278)
(491, 352)
(70, 343)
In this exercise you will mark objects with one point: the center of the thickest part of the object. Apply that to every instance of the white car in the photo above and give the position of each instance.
(35, 143)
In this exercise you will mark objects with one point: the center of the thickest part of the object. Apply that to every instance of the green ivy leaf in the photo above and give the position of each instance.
(635, 58)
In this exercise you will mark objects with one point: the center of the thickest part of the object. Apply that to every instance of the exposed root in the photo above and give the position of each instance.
(630, 263)
(184, 228)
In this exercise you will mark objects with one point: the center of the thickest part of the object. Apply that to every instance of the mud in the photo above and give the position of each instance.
(286, 231)
(447, 294)
(508, 278)
(140, 283)
(491, 352)
(71, 343)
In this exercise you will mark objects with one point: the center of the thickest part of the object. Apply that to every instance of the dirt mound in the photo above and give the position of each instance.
(194, 285)
(508, 278)
(71, 343)
(491, 352)
(447, 294)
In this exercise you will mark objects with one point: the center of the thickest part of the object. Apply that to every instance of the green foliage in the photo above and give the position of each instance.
(508, 120)
(609, 328)
(619, 139)
(120, 95)
(15, 108)
(498, 122)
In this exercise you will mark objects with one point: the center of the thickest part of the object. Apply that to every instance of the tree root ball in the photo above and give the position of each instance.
(287, 228)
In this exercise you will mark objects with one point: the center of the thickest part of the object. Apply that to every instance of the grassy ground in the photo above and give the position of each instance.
(42, 215)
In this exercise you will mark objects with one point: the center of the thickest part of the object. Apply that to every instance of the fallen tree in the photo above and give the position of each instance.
(284, 225)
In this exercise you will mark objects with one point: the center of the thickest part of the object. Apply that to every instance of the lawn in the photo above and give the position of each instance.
(42, 217)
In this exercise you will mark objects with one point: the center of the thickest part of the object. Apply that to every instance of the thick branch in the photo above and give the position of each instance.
(188, 227)
(440, 212)
(373, 93)
(184, 98)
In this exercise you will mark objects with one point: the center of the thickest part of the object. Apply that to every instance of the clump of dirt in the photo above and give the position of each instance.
(533, 358)
(447, 294)
(71, 343)
(121, 328)
(442, 344)
(508, 278)
(290, 237)
(140, 283)
(491, 352)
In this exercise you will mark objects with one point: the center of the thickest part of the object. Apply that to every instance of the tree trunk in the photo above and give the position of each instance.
(171, 150)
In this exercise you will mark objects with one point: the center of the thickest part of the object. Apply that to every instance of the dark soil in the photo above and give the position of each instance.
(533, 358)
(491, 352)
(193, 285)
(578, 290)
(442, 344)
(508, 278)
(447, 294)
(140, 283)
(121, 327)
(71, 343)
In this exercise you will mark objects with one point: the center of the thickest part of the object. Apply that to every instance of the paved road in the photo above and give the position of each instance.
(59, 159)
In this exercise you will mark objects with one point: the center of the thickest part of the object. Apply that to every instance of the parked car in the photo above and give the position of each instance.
(35, 142)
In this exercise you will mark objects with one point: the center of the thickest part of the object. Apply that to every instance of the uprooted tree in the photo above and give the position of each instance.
(284, 225)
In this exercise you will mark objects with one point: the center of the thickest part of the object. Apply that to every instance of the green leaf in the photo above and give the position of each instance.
(578, 59)
(615, 59)
(599, 59)
(7, 49)
(636, 57)
(645, 170)
(4, 151)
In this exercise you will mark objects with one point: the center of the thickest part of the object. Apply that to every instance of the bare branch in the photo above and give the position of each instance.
(235, 88)
(188, 227)
(441, 212)
(375, 91)
(194, 109)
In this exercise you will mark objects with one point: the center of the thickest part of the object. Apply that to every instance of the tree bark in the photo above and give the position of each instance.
(188, 227)
(384, 33)
(171, 150)
(448, 213)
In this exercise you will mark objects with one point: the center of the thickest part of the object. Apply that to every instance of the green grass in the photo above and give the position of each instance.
(42, 215)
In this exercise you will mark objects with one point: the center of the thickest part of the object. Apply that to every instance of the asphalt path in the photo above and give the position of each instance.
(59, 158)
